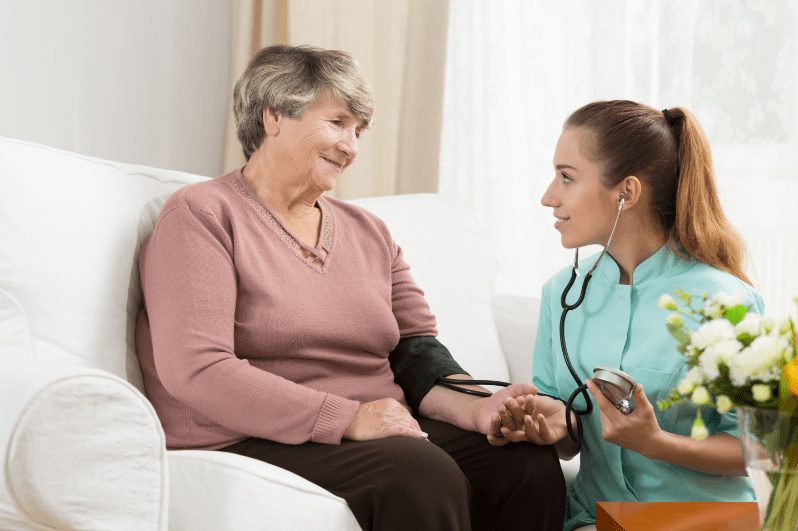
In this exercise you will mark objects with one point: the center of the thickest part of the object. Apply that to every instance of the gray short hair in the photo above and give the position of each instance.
(290, 79)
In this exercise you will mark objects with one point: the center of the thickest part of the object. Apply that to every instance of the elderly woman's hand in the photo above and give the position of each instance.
(381, 419)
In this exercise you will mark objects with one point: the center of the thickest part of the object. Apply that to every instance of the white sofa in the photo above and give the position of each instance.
(81, 446)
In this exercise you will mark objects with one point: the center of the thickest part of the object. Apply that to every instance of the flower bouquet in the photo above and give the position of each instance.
(740, 359)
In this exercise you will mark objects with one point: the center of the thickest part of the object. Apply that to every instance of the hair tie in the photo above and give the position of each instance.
(668, 117)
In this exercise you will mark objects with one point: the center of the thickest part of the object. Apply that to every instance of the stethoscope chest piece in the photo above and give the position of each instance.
(616, 385)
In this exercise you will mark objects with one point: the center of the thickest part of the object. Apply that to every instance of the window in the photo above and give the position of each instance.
(516, 69)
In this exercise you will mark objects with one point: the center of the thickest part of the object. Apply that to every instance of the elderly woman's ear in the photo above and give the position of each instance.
(272, 121)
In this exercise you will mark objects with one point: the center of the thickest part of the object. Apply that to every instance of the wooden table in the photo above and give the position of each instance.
(676, 516)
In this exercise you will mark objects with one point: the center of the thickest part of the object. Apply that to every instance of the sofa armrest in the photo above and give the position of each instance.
(81, 449)
(517, 323)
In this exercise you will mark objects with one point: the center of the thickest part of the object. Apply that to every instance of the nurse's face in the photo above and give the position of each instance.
(585, 209)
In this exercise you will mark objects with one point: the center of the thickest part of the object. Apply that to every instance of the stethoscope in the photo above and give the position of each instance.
(616, 385)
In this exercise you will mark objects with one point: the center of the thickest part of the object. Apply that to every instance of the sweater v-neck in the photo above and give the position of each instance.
(323, 249)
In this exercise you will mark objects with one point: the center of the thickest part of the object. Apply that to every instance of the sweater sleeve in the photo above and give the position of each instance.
(410, 308)
(190, 289)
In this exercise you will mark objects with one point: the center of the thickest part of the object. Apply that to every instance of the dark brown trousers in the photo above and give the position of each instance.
(456, 481)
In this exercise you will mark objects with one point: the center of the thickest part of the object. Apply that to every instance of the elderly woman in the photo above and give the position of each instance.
(283, 325)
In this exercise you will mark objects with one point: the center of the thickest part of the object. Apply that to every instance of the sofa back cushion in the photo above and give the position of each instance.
(71, 228)
(452, 260)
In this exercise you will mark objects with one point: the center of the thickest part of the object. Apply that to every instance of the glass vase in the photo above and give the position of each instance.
(770, 447)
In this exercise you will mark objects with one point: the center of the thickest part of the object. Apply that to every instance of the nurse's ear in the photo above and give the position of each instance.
(631, 188)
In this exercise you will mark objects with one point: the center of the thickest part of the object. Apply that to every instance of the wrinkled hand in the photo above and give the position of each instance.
(633, 431)
(381, 419)
(486, 416)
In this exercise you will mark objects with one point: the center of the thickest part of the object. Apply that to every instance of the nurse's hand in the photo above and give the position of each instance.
(635, 431)
(532, 418)
(487, 418)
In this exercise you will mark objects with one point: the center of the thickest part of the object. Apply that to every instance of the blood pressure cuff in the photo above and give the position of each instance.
(417, 363)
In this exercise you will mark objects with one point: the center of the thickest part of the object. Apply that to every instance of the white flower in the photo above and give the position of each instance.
(716, 353)
(666, 302)
(769, 350)
(742, 367)
(695, 376)
(730, 301)
(762, 359)
(761, 392)
(675, 319)
(685, 387)
(767, 324)
(712, 308)
(700, 396)
(715, 306)
(699, 431)
(750, 325)
(712, 332)
(772, 374)
(723, 404)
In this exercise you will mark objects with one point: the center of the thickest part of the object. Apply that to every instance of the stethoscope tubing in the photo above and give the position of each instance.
(581, 387)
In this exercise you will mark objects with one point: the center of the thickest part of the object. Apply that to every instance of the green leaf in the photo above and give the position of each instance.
(736, 314)
(680, 335)
(746, 339)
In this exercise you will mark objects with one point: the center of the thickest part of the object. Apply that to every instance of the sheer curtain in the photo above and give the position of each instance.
(516, 69)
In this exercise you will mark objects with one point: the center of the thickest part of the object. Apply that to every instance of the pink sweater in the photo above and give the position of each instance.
(241, 336)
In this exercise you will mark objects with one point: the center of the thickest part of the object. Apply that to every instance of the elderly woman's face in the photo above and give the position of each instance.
(323, 142)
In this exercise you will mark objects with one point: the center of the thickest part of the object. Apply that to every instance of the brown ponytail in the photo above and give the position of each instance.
(671, 156)
(701, 227)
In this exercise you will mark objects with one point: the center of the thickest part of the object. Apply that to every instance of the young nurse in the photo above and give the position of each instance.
(671, 233)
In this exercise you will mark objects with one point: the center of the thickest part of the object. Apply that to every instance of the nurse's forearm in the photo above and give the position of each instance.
(719, 454)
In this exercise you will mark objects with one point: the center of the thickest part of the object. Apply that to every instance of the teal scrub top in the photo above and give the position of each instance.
(622, 327)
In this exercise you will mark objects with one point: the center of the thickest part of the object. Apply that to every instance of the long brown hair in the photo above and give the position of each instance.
(671, 157)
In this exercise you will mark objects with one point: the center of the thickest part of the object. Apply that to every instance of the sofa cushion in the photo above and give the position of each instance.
(201, 482)
(71, 228)
(452, 260)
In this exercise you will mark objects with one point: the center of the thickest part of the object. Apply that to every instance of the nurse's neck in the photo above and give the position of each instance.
(629, 249)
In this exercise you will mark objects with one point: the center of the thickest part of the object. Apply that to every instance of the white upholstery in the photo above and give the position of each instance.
(81, 446)
(227, 481)
(71, 230)
(82, 449)
(457, 278)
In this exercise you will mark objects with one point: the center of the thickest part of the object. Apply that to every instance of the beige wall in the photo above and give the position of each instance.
(143, 82)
